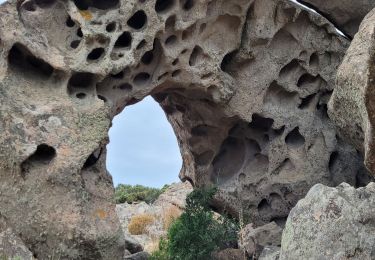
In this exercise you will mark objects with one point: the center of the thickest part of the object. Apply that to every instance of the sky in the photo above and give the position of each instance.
(143, 148)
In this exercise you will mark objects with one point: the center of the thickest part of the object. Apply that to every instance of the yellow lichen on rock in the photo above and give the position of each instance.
(86, 14)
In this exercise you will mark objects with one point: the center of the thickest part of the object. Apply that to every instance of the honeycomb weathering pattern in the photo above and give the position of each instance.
(244, 84)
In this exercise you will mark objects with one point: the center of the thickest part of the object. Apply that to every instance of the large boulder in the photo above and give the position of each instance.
(351, 106)
(345, 14)
(331, 223)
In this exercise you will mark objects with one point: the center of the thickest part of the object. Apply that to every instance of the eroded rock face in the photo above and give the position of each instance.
(345, 14)
(280, 141)
(244, 84)
(331, 223)
(351, 106)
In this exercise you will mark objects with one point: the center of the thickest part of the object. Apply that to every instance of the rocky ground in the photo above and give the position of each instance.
(171, 203)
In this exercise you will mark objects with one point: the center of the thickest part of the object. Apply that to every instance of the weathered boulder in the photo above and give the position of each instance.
(255, 240)
(345, 14)
(351, 106)
(244, 84)
(331, 223)
(174, 195)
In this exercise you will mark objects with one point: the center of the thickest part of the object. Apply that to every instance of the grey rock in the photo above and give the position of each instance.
(132, 245)
(138, 256)
(270, 253)
(254, 241)
(351, 104)
(11, 246)
(229, 254)
(331, 223)
(127, 252)
(345, 14)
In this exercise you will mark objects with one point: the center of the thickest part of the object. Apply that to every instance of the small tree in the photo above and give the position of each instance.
(197, 233)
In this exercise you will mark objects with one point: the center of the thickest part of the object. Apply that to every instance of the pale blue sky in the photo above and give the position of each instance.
(143, 148)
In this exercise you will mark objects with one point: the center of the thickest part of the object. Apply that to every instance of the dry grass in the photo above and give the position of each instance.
(170, 215)
(138, 223)
(152, 246)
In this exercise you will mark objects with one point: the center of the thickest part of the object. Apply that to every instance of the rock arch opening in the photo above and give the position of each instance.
(143, 148)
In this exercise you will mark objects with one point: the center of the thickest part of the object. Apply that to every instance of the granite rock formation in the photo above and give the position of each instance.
(351, 106)
(245, 85)
(331, 223)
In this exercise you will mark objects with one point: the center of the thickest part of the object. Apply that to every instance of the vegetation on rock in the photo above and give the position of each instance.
(128, 193)
(197, 233)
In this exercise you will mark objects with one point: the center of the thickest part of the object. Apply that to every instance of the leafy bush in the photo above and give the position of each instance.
(196, 233)
(138, 224)
(128, 193)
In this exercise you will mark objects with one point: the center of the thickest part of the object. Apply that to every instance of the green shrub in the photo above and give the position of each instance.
(196, 233)
(128, 193)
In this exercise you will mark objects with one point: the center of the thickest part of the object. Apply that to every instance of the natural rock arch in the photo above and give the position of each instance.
(245, 85)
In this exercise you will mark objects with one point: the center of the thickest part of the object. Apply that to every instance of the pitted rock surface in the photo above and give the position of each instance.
(244, 84)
